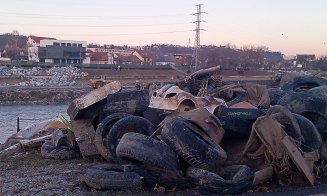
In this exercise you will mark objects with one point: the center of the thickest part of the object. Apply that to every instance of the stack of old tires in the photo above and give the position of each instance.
(306, 97)
(178, 157)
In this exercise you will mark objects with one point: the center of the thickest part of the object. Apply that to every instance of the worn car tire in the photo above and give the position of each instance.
(148, 179)
(232, 179)
(311, 104)
(275, 95)
(135, 107)
(303, 83)
(100, 139)
(125, 125)
(191, 147)
(311, 136)
(155, 156)
(50, 151)
(111, 177)
(128, 95)
(155, 116)
(239, 96)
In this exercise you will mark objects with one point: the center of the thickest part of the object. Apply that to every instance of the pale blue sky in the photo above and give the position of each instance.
(289, 26)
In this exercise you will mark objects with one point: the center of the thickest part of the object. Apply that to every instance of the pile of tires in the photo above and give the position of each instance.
(306, 97)
(179, 157)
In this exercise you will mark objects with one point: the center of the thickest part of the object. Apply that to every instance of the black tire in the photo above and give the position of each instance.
(275, 95)
(100, 139)
(135, 107)
(50, 151)
(125, 125)
(148, 179)
(310, 134)
(311, 104)
(128, 95)
(155, 156)
(239, 96)
(303, 83)
(285, 117)
(232, 179)
(111, 177)
(192, 148)
(155, 116)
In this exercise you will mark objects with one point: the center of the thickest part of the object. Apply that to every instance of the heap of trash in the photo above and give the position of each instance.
(199, 132)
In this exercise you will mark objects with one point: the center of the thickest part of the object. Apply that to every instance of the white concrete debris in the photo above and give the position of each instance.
(55, 76)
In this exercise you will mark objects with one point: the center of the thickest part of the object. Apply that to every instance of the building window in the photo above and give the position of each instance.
(56, 44)
(69, 44)
(63, 44)
(79, 45)
(75, 45)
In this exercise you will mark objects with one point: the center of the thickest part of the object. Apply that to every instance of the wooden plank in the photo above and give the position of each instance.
(81, 104)
(298, 159)
(84, 133)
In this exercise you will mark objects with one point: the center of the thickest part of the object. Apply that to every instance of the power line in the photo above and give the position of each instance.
(107, 26)
(11, 14)
(117, 34)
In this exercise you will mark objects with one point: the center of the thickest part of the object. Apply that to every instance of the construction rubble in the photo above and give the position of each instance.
(38, 77)
(199, 132)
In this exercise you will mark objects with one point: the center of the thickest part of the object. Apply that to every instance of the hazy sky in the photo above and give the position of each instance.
(289, 26)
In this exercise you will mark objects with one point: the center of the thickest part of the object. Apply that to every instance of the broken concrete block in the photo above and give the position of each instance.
(84, 133)
(88, 101)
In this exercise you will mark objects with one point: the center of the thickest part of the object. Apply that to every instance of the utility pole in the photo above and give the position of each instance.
(197, 43)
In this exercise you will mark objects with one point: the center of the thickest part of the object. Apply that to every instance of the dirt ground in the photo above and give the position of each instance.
(30, 174)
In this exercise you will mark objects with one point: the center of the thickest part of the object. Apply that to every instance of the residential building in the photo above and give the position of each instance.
(51, 50)
(166, 60)
(304, 60)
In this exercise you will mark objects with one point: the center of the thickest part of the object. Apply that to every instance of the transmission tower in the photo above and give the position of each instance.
(197, 43)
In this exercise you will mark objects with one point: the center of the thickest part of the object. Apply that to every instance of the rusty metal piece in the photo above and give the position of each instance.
(209, 124)
(172, 98)
(82, 104)
(297, 157)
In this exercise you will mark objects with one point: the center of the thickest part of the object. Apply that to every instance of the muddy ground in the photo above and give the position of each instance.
(29, 174)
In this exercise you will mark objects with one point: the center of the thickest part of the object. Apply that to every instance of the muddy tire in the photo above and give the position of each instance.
(312, 139)
(135, 107)
(50, 151)
(148, 179)
(100, 139)
(125, 125)
(191, 147)
(303, 83)
(128, 95)
(155, 116)
(275, 95)
(155, 156)
(311, 104)
(232, 179)
(239, 96)
(112, 177)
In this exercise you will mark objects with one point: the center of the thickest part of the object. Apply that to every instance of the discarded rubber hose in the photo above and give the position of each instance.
(50, 151)
(303, 83)
(100, 139)
(191, 147)
(153, 155)
(231, 180)
(125, 125)
(111, 177)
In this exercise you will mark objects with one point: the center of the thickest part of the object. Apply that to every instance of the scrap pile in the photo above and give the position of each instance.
(200, 132)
